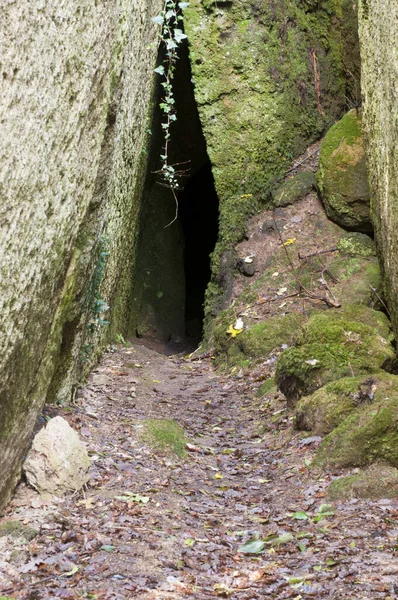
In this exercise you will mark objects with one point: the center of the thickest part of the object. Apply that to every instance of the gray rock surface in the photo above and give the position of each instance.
(58, 462)
(75, 97)
(378, 30)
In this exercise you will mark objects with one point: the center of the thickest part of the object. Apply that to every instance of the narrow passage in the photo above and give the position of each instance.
(155, 525)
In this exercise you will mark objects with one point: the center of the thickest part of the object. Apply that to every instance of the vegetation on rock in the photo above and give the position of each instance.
(342, 175)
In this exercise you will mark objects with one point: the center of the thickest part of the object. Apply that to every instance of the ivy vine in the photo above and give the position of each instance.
(171, 36)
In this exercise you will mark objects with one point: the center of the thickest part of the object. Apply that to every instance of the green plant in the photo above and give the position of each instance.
(170, 37)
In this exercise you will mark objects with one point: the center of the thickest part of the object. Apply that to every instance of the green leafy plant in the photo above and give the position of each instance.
(170, 37)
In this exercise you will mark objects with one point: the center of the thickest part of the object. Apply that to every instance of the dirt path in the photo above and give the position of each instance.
(153, 525)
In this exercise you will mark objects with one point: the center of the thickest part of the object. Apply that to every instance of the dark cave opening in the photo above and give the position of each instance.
(173, 260)
(198, 213)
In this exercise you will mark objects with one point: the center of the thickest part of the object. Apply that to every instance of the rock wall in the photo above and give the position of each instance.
(76, 87)
(379, 42)
(269, 78)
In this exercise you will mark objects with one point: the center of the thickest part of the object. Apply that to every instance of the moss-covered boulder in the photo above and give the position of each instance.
(255, 343)
(342, 176)
(294, 189)
(334, 344)
(370, 433)
(325, 409)
(378, 481)
(254, 65)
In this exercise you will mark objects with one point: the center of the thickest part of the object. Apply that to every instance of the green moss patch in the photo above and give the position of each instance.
(165, 435)
(368, 434)
(267, 387)
(16, 529)
(255, 343)
(334, 344)
(294, 189)
(378, 481)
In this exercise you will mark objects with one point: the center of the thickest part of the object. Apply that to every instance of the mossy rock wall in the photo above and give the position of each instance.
(76, 87)
(269, 77)
(379, 39)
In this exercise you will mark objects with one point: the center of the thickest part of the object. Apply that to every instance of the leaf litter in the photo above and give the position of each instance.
(238, 515)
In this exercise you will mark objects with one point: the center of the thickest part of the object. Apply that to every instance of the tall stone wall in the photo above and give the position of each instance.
(75, 94)
(379, 54)
(269, 78)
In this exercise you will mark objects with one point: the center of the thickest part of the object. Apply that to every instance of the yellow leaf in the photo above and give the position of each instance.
(156, 381)
(289, 241)
(246, 195)
(233, 332)
(218, 476)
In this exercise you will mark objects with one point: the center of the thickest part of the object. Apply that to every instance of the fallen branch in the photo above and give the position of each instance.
(305, 256)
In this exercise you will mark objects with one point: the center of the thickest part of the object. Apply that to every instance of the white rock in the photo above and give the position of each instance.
(57, 462)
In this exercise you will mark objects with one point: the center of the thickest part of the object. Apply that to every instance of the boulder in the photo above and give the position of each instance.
(294, 189)
(57, 462)
(342, 176)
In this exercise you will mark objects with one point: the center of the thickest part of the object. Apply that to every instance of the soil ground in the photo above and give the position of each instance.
(244, 476)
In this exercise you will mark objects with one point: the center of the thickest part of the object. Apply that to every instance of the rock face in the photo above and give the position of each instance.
(379, 40)
(58, 462)
(269, 77)
(342, 175)
(76, 87)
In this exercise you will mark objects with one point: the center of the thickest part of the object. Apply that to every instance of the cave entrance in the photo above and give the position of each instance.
(173, 261)
(198, 213)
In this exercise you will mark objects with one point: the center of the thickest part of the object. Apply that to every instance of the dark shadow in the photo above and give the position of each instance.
(173, 261)
(198, 212)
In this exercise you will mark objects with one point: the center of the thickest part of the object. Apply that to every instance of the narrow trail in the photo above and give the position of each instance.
(152, 525)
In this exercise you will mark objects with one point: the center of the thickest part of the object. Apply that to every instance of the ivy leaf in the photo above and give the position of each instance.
(159, 20)
(159, 69)
(170, 44)
(179, 35)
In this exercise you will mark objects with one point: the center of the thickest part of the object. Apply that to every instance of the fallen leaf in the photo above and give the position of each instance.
(252, 547)
(289, 241)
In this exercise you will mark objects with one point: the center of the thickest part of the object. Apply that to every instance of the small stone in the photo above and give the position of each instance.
(246, 268)
(58, 462)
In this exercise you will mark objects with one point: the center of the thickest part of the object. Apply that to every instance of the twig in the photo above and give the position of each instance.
(296, 166)
(317, 81)
(380, 300)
